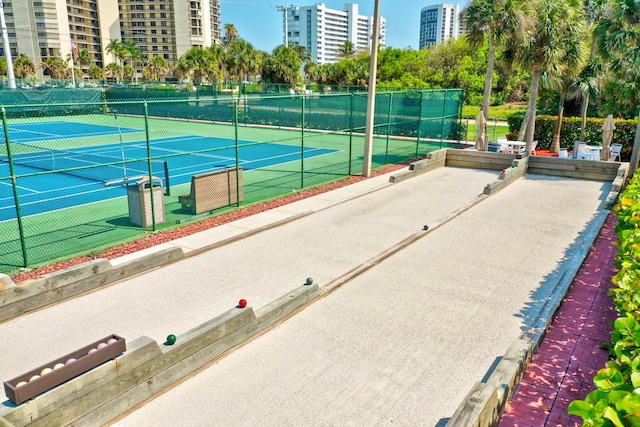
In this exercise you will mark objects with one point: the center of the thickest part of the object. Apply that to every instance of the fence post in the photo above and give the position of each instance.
(237, 150)
(14, 184)
(386, 152)
(419, 123)
(149, 166)
(351, 131)
(302, 97)
(444, 111)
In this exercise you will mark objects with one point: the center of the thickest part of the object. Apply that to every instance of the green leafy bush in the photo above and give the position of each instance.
(616, 400)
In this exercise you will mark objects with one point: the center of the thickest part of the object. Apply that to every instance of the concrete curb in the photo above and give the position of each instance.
(146, 368)
(54, 287)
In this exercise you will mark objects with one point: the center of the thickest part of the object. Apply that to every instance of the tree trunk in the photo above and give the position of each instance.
(533, 97)
(555, 142)
(583, 115)
(633, 164)
(523, 125)
(488, 81)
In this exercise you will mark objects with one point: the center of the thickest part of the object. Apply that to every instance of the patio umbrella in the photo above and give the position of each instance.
(607, 136)
(481, 139)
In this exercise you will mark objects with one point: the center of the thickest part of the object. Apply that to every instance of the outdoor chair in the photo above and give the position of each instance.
(563, 153)
(615, 152)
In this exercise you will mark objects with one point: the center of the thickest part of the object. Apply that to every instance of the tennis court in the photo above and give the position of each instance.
(64, 153)
(99, 173)
(40, 131)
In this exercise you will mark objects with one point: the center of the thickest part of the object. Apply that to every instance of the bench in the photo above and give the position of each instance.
(212, 190)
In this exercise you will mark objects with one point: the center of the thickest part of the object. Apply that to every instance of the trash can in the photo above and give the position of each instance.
(139, 198)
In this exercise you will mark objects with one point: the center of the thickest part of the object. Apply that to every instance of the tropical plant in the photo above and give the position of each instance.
(55, 67)
(95, 72)
(494, 21)
(617, 35)
(556, 40)
(347, 49)
(282, 66)
(156, 67)
(240, 58)
(230, 34)
(114, 70)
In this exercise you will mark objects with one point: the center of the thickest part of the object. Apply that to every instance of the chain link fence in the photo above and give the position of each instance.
(79, 177)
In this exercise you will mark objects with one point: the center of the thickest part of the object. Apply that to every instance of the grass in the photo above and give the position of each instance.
(498, 111)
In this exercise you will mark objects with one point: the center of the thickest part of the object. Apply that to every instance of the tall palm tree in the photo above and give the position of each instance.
(494, 21)
(134, 53)
(114, 47)
(347, 49)
(214, 67)
(240, 57)
(566, 86)
(230, 34)
(617, 36)
(557, 39)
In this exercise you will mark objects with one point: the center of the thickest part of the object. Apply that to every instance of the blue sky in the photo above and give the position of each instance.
(260, 23)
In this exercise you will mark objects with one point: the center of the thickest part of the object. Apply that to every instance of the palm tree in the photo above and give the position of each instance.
(214, 68)
(230, 34)
(56, 67)
(588, 84)
(494, 21)
(23, 66)
(156, 67)
(240, 58)
(566, 86)
(556, 40)
(114, 70)
(347, 49)
(114, 47)
(181, 70)
(282, 66)
(96, 73)
(133, 52)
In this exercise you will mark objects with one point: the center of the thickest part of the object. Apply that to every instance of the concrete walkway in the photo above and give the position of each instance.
(401, 343)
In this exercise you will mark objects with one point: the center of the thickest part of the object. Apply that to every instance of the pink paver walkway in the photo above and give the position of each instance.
(563, 368)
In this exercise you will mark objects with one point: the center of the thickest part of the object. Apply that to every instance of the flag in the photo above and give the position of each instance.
(74, 49)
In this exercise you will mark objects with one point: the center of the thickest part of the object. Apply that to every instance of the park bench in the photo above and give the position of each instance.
(212, 190)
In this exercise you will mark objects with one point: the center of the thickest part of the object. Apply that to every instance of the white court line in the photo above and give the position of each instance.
(19, 186)
(59, 198)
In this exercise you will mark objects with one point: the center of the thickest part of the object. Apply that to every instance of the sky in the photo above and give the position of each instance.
(260, 23)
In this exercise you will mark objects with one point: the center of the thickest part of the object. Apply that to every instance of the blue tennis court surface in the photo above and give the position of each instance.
(43, 193)
(42, 131)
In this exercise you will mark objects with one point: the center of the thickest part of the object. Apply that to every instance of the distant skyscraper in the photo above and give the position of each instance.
(322, 31)
(438, 23)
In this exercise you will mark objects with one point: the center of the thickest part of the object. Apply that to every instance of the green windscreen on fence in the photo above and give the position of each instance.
(76, 178)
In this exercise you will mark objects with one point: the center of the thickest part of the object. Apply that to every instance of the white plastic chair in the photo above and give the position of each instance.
(563, 153)
(615, 152)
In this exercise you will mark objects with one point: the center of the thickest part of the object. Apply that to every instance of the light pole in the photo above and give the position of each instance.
(284, 9)
(371, 99)
(7, 48)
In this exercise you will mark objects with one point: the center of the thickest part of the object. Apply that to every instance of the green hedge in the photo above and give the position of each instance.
(570, 131)
(616, 400)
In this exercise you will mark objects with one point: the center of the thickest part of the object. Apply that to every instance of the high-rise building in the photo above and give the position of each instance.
(439, 23)
(323, 31)
(168, 28)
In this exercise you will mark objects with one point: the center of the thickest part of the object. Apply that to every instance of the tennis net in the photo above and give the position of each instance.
(88, 162)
